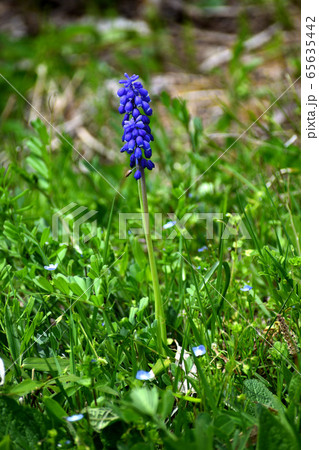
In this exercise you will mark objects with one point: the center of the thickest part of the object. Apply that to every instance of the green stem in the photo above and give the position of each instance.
(159, 311)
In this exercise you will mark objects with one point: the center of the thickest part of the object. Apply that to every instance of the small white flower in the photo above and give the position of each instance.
(51, 267)
(2, 372)
(74, 418)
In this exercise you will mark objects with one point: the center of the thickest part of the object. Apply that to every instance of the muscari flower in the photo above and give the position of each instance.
(143, 375)
(246, 288)
(134, 104)
(74, 418)
(199, 351)
(51, 267)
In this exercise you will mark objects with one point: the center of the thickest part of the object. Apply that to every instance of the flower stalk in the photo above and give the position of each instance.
(137, 138)
(159, 310)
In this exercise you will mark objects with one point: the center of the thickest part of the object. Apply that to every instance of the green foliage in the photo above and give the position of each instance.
(73, 339)
(275, 433)
(25, 426)
(256, 392)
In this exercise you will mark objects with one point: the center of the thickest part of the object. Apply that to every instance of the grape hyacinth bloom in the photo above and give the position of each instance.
(51, 267)
(246, 288)
(137, 137)
(143, 375)
(134, 104)
(199, 351)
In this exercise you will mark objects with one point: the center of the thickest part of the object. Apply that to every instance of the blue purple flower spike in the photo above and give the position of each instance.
(143, 375)
(246, 288)
(137, 132)
(199, 351)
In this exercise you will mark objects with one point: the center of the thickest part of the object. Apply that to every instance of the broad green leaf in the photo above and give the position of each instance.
(257, 392)
(145, 400)
(160, 365)
(275, 433)
(101, 386)
(101, 417)
(11, 232)
(203, 431)
(136, 272)
(41, 129)
(44, 364)
(38, 165)
(166, 404)
(43, 283)
(294, 390)
(62, 283)
(54, 408)
(34, 144)
(44, 237)
(133, 311)
(6, 443)
(25, 387)
(25, 426)
(225, 423)
(81, 287)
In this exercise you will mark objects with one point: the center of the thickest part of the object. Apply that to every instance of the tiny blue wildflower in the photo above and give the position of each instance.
(169, 224)
(202, 249)
(199, 351)
(74, 418)
(143, 375)
(198, 267)
(137, 132)
(246, 288)
(51, 267)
